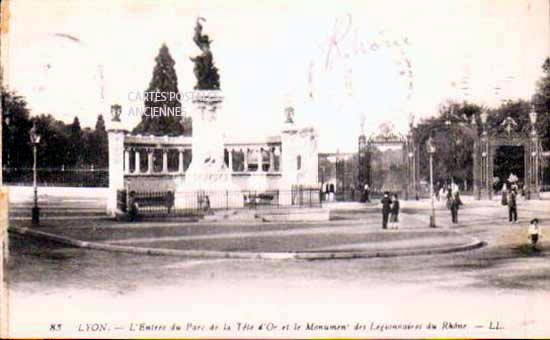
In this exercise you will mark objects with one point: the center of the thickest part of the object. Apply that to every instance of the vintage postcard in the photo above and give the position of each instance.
(275, 169)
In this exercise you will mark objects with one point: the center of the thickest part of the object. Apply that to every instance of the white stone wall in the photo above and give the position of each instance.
(291, 144)
(116, 167)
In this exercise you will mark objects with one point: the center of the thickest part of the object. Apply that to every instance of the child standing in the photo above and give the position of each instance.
(534, 232)
(394, 217)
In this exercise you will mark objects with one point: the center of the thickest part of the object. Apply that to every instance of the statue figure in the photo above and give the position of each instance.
(205, 71)
(289, 113)
(116, 111)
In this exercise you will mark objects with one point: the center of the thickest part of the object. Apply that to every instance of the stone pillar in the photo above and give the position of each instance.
(137, 161)
(180, 161)
(230, 155)
(289, 171)
(150, 160)
(126, 161)
(245, 159)
(271, 160)
(476, 170)
(260, 160)
(116, 165)
(164, 161)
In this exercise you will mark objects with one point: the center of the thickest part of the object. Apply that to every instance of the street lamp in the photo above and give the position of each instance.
(431, 150)
(35, 139)
(483, 117)
(533, 119)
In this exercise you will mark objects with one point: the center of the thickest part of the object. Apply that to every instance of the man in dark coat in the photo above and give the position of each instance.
(454, 204)
(512, 207)
(386, 209)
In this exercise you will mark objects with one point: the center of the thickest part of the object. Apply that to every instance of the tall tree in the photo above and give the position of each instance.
(54, 148)
(16, 150)
(75, 151)
(541, 101)
(98, 145)
(165, 82)
(453, 137)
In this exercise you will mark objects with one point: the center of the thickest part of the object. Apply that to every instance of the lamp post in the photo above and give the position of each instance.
(35, 139)
(534, 168)
(431, 150)
(533, 120)
(485, 155)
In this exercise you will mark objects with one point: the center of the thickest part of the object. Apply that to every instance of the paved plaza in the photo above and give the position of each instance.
(485, 280)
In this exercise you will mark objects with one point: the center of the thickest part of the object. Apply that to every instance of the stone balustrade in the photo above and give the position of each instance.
(151, 155)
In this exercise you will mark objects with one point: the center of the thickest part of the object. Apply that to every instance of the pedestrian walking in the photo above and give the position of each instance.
(534, 232)
(512, 207)
(394, 212)
(441, 192)
(331, 192)
(453, 203)
(386, 209)
(132, 206)
(367, 192)
(504, 195)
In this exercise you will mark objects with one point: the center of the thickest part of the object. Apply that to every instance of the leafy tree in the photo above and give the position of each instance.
(518, 110)
(453, 136)
(97, 144)
(75, 147)
(165, 81)
(187, 126)
(54, 143)
(16, 149)
(541, 102)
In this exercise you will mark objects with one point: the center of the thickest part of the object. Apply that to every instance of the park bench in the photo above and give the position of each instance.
(148, 203)
(262, 199)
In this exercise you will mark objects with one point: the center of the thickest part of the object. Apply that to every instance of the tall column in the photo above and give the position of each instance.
(271, 159)
(164, 161)
(137, 161)
(126, 161)
(116, 166)
(260, 160)
(230, 153)
(150, 161)
(476, 170)
(289, 172)
(245, 159)
(180, 161)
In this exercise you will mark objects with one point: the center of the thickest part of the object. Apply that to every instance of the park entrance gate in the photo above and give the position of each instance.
(486, 144)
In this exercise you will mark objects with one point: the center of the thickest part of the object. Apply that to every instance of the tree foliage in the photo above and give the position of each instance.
(453, 136)
(163, 80)
(541, 102)
(15, 130)
(61, 145)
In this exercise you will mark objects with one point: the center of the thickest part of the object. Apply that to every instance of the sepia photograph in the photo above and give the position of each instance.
(275, 169)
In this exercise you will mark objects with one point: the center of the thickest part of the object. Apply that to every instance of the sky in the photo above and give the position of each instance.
(345, 66)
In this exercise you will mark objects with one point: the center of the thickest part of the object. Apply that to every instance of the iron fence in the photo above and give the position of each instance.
(57, 177)
(170, 203)
(306, 196)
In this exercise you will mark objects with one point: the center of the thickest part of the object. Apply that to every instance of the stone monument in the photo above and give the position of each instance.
(207, 175)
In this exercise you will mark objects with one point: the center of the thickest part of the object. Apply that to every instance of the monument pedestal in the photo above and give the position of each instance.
(208, 181)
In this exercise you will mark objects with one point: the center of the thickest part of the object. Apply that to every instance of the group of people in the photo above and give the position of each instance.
(390, 206)
(390, 211)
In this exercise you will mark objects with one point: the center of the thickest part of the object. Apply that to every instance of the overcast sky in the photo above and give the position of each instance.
(334, 62)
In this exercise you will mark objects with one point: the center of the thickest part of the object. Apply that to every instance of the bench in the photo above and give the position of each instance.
(140, 203)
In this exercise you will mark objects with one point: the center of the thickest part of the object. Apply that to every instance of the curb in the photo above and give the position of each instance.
(242, 255)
